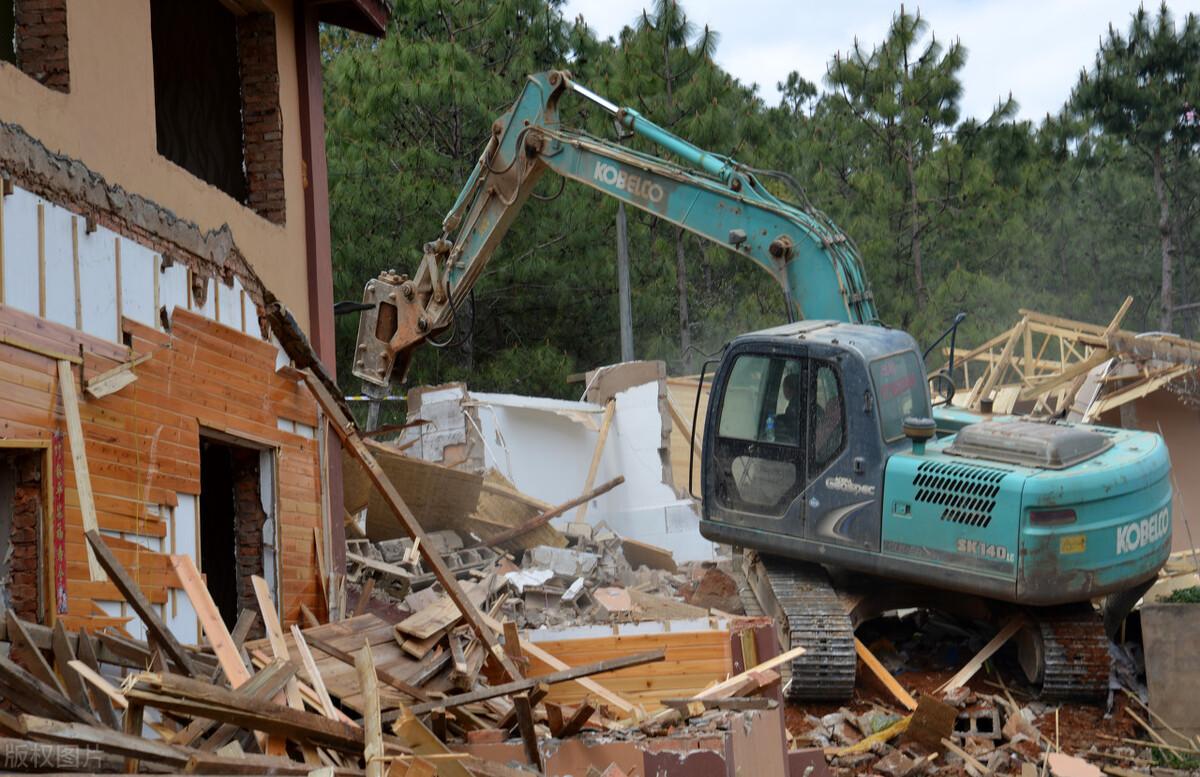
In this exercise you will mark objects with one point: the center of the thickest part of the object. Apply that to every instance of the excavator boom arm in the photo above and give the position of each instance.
(718, 199)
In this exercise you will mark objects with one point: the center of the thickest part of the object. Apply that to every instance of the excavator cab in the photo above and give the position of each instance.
(796, 441)
(815, 448)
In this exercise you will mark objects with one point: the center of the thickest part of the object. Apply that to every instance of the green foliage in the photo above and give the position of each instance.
(985, 216)
(1183, 596)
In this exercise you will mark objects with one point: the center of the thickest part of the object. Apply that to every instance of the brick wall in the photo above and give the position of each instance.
(261, 121)
(41, 32)
(248, 523)
(22, 583)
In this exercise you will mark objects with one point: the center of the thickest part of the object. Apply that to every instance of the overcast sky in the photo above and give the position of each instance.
(1033, 48)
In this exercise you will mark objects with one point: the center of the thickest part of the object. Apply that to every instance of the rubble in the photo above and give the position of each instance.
(537, 651)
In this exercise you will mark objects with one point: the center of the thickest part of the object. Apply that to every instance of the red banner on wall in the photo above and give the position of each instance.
(59, 524)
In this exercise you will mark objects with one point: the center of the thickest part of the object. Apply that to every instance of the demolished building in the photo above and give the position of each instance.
(163, 166)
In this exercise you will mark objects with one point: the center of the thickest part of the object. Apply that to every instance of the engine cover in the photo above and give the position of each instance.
(1029, 443)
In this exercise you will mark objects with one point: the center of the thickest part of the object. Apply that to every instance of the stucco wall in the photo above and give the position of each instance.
(107, 121)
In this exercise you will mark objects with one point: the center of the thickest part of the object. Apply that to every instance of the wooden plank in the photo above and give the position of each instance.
(609, 408)
(554, 718)
(196, 697)
(524, 713)
(79, 462)
(131, 746)
(422, 742)
(264, 685)
(314, 674)
(280, 651)
(885, 677)
(541, 520)
(580, 717)
(430, 620)
(210, 619)
(974, 767)
(613, 699)
(29, 693)
(519, 686)
(100, 683)
(86, 650)
(968, 671)
(63, 656)
(364, 663)
(364, 597)
(137, 600)
(354, 444)
(25, 647)
(134, 718)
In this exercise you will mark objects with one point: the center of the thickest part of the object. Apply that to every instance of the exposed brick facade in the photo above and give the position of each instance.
(41, 33)
(249, 518)
(22, 584)
(262, 124)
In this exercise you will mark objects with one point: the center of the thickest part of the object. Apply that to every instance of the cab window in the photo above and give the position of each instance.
(900, 388)
(781, 423)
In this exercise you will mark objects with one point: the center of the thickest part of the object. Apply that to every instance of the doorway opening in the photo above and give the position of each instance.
(21, 512)
(237, 527)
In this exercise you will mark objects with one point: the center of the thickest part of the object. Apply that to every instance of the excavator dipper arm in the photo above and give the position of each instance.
(713, 196)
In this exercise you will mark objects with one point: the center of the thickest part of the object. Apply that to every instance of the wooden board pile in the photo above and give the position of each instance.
(343, 697)
(359, 696)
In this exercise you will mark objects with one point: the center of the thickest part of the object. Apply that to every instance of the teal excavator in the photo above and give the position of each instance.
(822, 462)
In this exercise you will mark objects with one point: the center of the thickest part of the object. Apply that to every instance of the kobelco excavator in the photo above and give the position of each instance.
(820, 449)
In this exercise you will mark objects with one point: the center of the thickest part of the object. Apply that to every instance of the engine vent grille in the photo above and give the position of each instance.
(966, 493)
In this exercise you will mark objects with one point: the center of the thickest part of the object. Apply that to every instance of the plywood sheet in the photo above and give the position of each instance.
(694, 660)
(442, 498)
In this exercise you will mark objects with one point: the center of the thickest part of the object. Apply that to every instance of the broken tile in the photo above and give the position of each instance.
(1063, 765)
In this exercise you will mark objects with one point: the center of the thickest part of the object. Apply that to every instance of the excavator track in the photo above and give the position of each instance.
(1075, 662)
(805, 605)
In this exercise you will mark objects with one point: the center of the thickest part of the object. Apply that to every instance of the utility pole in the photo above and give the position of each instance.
(624, 301)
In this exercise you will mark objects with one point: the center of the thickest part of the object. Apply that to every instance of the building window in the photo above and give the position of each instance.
(33, 36)
(8, 32)
(216, 96)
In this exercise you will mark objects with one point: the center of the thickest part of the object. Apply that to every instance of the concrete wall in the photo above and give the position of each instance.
(107, 121)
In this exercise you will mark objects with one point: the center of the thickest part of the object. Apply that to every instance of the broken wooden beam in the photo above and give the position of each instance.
(175, 693)
(263, 685)
(541, 520)
(348, 432)
(976, 663)
(520, 686)
(140, 604)
(884, 676)
(578, 719)
(373, 726)
(29, 693)
(523, 708)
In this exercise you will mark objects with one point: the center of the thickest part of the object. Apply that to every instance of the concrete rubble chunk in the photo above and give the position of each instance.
(561, 561)
(894, 764)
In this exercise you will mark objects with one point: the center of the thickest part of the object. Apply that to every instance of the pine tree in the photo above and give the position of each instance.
(1144, 89)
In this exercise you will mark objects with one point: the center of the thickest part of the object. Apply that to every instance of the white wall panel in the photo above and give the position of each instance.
(173, 288)
(137, 283)
(60, 265)
(98, 283)
(21, 251)
(229, 304)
